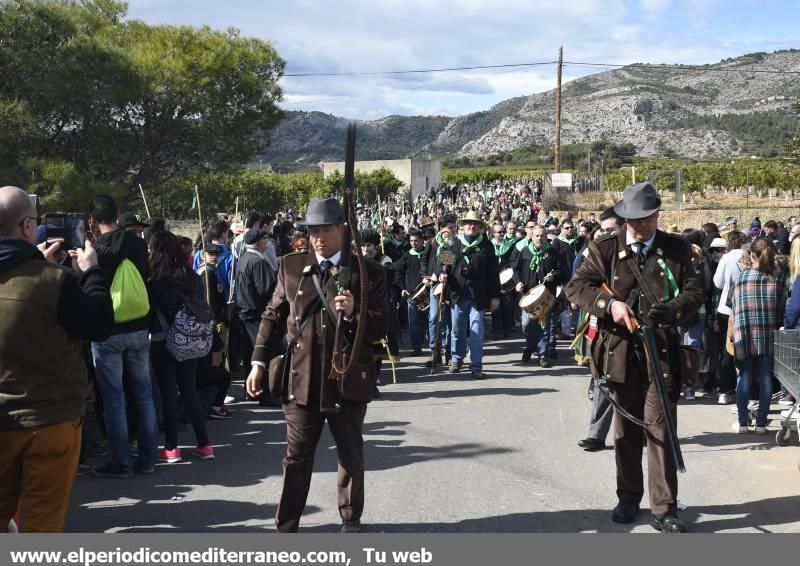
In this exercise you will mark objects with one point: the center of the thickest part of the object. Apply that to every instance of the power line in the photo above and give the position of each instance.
(411, 71)
(681, 68)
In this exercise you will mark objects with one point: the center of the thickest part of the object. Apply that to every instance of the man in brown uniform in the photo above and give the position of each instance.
(309, 396)
(665, 262)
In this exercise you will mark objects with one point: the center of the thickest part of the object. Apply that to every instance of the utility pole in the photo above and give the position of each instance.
(558, 110)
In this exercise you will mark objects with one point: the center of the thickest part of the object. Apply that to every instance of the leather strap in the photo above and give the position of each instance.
(643, 283)
(321, 296)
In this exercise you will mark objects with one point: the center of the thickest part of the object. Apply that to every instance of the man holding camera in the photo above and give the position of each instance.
(45, 312)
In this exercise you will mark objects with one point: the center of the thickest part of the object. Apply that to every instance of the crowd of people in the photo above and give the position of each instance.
(152, 327)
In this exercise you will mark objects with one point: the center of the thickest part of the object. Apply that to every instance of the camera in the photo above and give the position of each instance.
(69, 226)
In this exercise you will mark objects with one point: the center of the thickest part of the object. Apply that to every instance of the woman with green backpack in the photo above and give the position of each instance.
(181, 334)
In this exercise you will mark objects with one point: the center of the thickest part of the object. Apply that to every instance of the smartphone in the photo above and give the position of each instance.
(69, 226)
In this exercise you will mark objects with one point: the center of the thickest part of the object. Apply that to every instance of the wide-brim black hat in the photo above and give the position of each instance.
(638, 201)
(131, 219)
(322, 211)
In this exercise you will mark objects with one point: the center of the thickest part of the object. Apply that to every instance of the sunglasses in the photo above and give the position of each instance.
(500, 232)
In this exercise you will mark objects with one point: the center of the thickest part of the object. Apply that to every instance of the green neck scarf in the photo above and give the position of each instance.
(440, 242)
(414, 252)
(570, 243)
(503, 247)
(470, 245)
(537, 255)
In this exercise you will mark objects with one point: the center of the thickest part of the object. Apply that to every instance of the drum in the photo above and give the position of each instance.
(507, 280)
(537, 302)
(421, 297)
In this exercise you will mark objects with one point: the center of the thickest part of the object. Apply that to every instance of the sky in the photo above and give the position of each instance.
(387, 35)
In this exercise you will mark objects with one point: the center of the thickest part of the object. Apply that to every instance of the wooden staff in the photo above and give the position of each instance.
(144, 199)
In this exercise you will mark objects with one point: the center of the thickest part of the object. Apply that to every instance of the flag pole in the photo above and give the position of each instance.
(146, 208)
(203, 243)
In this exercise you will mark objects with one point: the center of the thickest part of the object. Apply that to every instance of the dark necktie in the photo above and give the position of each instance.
(325, 265)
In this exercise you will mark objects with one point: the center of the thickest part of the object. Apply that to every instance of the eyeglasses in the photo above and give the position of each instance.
(569, 227)
(500, 232)
(34, 218)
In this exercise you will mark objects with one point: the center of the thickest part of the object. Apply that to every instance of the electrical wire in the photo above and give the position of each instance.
(412, 71)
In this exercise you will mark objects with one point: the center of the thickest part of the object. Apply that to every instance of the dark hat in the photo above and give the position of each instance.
(322, 211)
(254, 235)
(370, 236)
(638, 201)
(131, 219)
(213, 249)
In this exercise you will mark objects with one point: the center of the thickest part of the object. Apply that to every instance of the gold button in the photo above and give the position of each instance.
(297, 319)
(291, 397)
(297, 345)
(300, 293)
(337, 406)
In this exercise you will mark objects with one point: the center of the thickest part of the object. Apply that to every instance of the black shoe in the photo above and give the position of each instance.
(592, 444)
(416, 352)
(625, 513)
(667, 523)
(110, 471)
(376, 393)
(438, 362)
(478, 374)
(350, 527)
(526, 355)
(551, 354)
(543, 363)
(140, 468)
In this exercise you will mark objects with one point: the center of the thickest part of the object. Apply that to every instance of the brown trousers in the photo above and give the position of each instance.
(303, 428)
(639, 397)
(37, 470)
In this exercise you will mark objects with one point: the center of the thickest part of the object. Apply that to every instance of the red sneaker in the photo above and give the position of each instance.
(204, 452)
(169, 456)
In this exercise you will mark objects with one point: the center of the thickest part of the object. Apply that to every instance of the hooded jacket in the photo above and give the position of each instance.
(112, 248)
(45, 311)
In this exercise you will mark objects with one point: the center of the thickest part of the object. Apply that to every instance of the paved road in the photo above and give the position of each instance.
(445, 453)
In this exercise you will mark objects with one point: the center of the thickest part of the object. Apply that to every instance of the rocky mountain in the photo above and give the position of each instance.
(729, 108)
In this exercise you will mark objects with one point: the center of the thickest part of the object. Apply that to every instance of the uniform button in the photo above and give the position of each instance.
(294, 372)
(291, 397)
(297, 345)
(337, 406)
(299, 293)
(297, 319)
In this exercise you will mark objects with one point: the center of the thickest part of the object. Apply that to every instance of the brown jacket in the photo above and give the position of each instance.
(311, 357)
(609, 261)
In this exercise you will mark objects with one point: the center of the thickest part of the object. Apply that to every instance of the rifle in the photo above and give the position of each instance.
(657, 375)
(341, 362)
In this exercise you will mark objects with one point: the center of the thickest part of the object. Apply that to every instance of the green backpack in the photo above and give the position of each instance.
(128, 293)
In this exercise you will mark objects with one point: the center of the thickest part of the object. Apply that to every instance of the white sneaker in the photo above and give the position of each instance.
(761, 430)
(724, 399)
(739, 429)
(229, 399)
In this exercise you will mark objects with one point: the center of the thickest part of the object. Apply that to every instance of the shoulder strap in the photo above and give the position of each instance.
(303, 322)
(643, 283)
(321, 296)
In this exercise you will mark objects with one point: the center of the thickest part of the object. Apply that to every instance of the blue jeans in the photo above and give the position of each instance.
(129, 352)
(761, 366)
(464, 311)
(536, 337)
(416, 326)
(444, 330)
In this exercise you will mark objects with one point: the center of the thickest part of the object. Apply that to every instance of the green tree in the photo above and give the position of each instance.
(125, 102)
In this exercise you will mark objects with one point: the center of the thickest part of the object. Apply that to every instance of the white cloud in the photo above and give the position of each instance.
(357, 35)
(653, 8)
